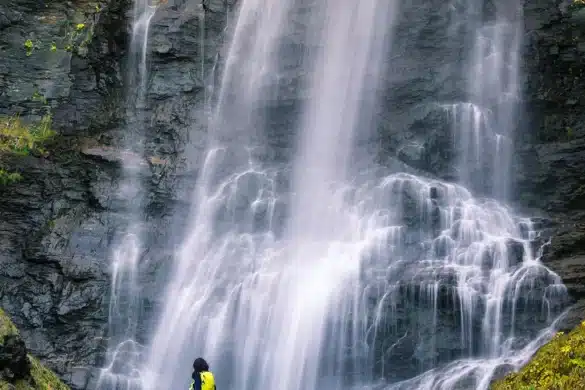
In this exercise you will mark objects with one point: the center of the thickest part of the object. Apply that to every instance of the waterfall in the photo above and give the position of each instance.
(299, 273)
(483, 125)
(123, 353)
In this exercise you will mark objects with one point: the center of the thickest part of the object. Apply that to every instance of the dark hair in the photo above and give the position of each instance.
(200, 365)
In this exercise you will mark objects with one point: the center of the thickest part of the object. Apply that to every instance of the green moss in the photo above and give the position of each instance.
(45, 378)
(19, 138)
(7, 178)
(7, 328)
(558, 365)
(41, 378)
(16, 137)
(28, 46)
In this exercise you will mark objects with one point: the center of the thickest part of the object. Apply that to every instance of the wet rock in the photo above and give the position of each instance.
(14, 363)
(515, 252)
(59, 225)
(551, 141)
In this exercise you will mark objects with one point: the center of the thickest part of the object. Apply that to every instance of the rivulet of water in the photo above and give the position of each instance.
(484, 124)
(123, 354)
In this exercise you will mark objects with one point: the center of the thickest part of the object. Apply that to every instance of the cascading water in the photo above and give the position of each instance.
(123, 354)
(483, 125)
(322, 279)
(480, 259)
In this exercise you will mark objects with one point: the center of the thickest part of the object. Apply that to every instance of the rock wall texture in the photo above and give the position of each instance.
(58, 225)
(53, 238)
(18, 370)
(551, 142)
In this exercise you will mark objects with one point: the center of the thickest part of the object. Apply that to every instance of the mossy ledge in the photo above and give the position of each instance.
(26, 376)
(558, 365)
(21, 139)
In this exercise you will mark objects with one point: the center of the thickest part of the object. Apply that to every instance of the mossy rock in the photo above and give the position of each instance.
(18, 137)
(558, 365)
(41, 378)
(7, 328)
(22, 139)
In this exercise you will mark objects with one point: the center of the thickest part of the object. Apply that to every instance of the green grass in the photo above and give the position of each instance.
(21, 139)
(41, 378)
(558, 365)
(17, 137)
(7, 328)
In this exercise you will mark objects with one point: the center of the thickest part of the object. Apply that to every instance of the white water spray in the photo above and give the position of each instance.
(343, 282)
(124, 352)
(483, 126)
(237, 287)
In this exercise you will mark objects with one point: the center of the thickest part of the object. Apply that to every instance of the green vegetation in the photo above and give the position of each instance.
(41, 378)
(16, 137)
(39, 98)
(78, 37)
(21, 139)
(28, 46)
(7, 178)
(77, 30)
(559, 365)
(7, 328)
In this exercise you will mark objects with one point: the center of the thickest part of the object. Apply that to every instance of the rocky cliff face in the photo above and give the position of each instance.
(551, 142)
(18, 370)
(66, 59)
(59, 223)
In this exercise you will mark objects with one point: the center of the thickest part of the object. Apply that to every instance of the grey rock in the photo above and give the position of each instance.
(58, 226)
(551, 142)
(14, 363)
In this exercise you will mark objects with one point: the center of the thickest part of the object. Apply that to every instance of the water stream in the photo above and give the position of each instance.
(299, 273)
(123, 356)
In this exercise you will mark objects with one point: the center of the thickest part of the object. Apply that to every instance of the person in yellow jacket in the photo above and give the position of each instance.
(202, 377)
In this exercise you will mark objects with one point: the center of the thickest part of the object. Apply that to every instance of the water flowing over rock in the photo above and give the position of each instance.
(308, 208)
(296, 273)
(123, 354)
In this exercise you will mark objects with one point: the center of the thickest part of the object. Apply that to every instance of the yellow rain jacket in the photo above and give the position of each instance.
(204, 382)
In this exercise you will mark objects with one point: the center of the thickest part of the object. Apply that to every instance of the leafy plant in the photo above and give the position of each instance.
(29, 46)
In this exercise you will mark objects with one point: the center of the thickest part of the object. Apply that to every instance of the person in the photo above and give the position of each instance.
(202, 378)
